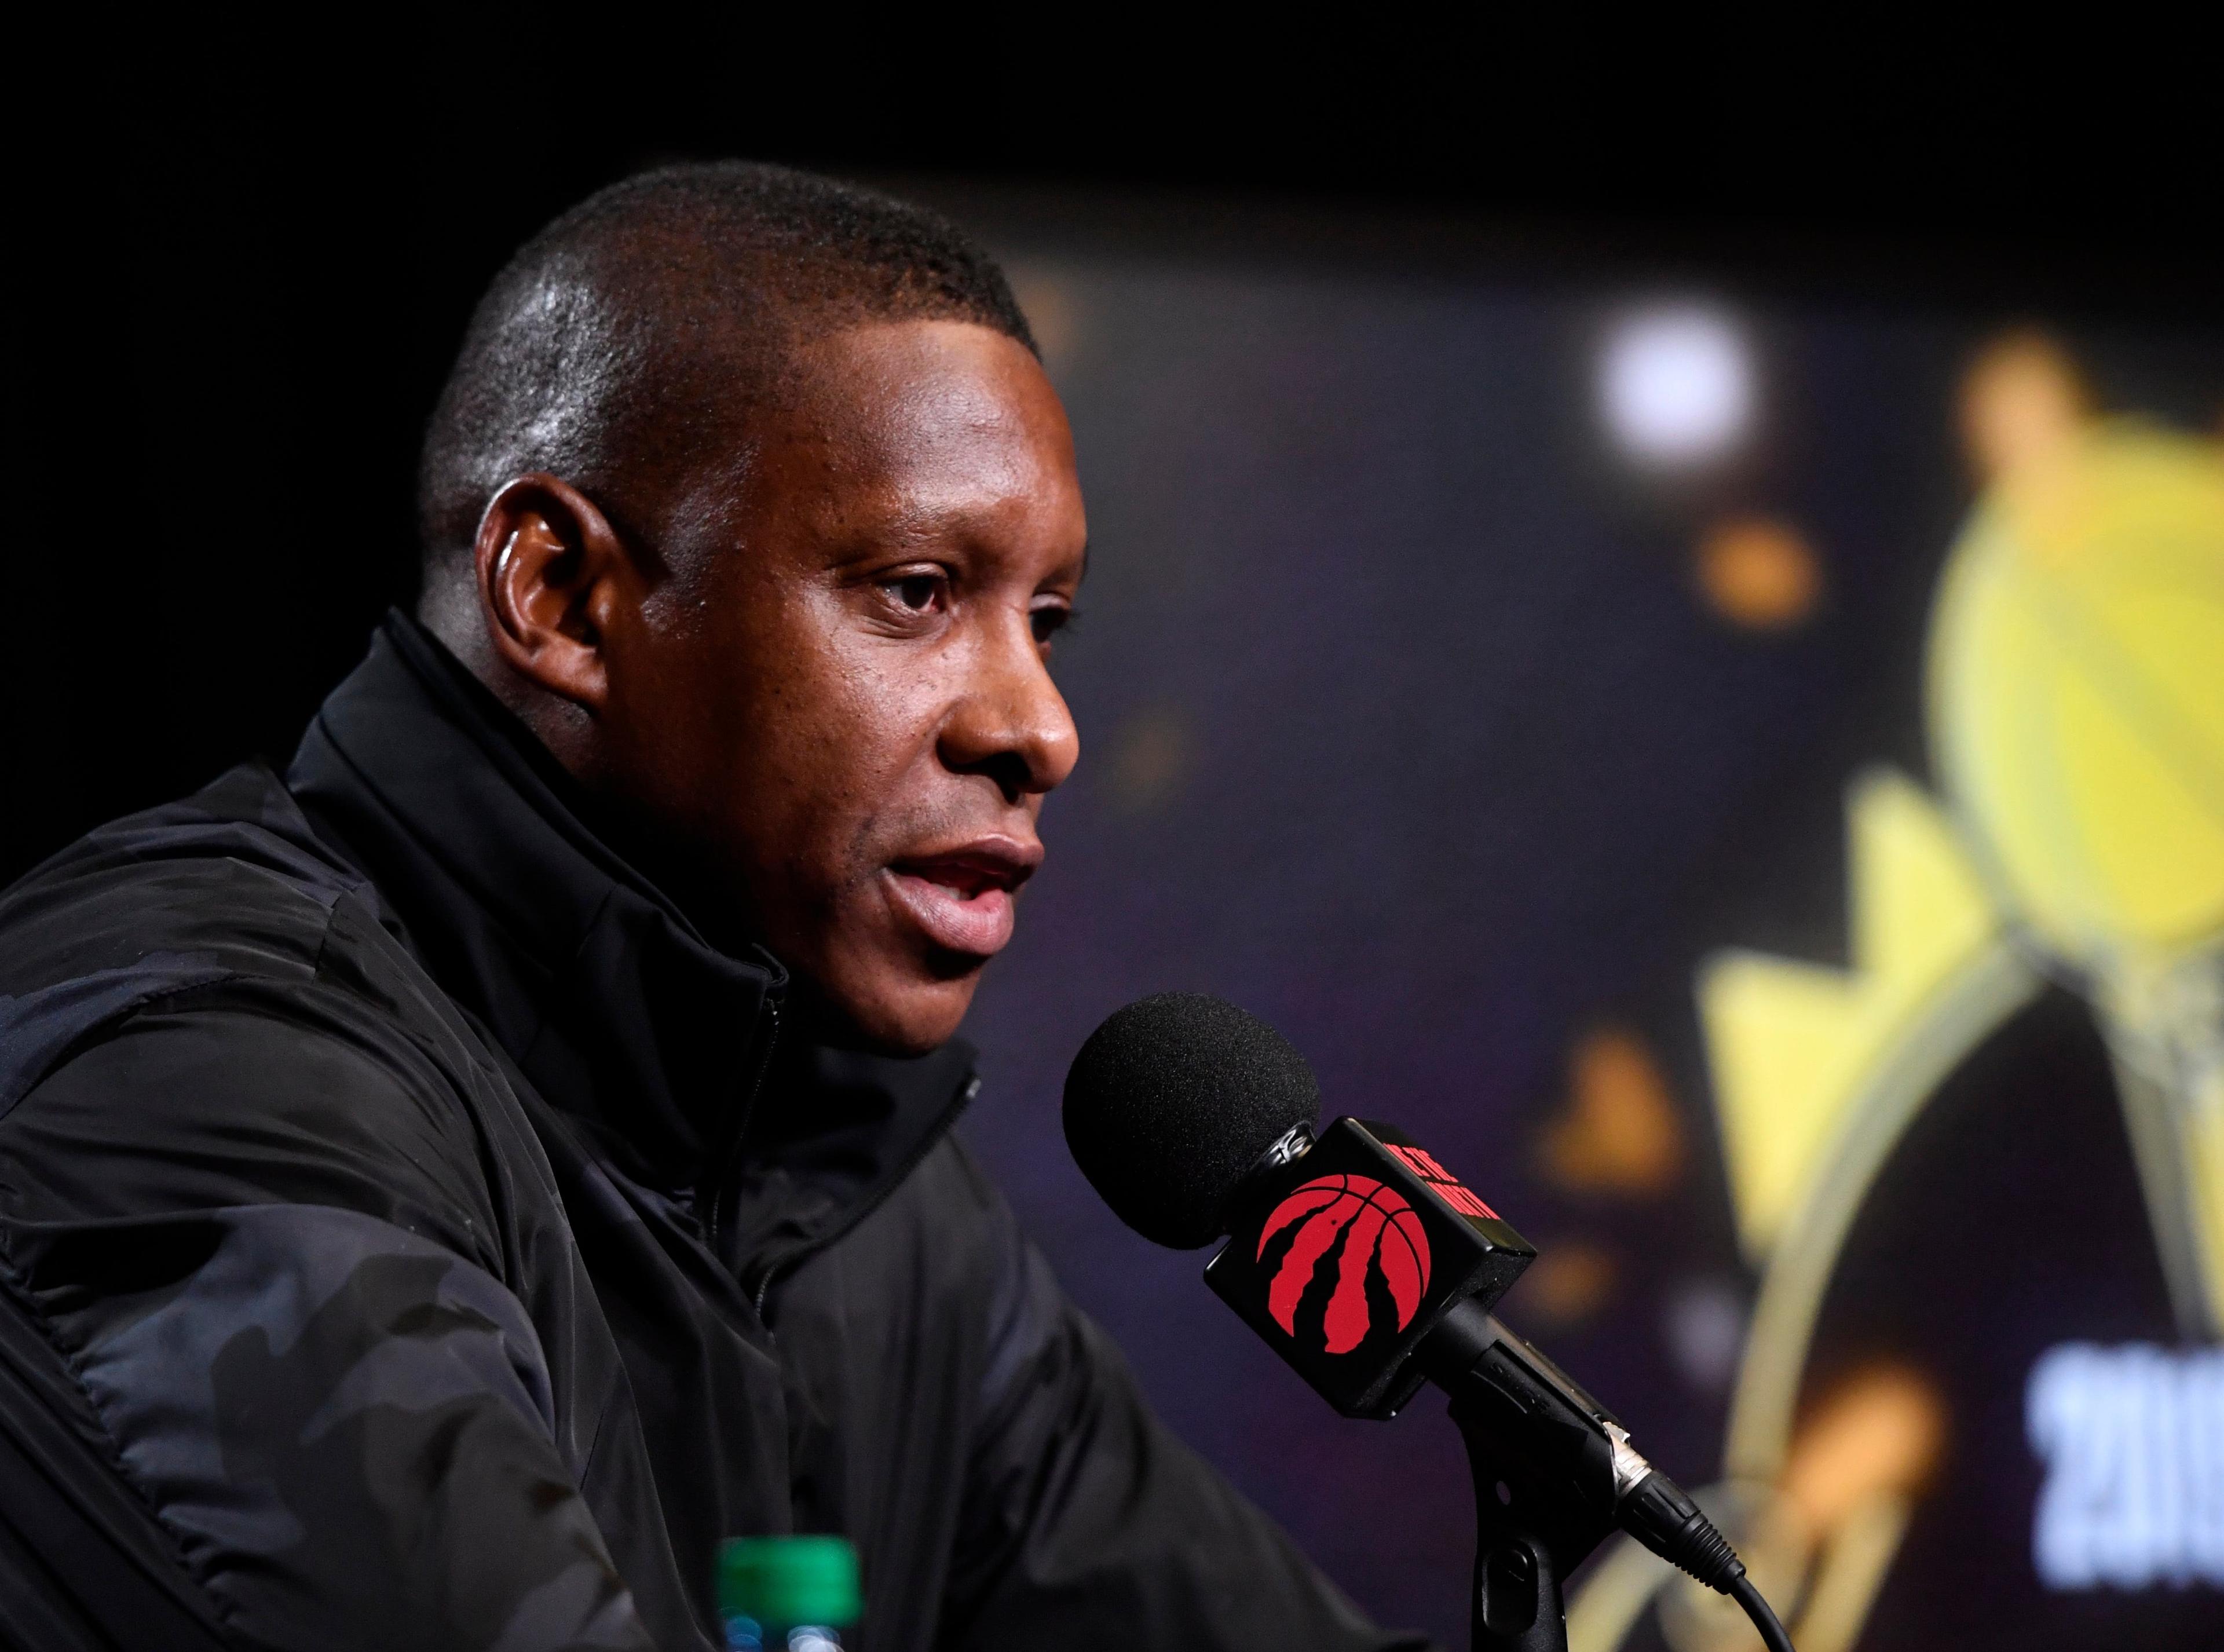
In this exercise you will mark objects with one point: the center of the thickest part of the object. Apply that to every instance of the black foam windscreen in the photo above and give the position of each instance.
(1173, 1101)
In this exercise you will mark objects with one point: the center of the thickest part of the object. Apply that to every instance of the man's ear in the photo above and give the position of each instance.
(551, 572)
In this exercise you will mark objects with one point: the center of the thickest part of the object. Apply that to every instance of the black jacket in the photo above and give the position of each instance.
(413, 1234)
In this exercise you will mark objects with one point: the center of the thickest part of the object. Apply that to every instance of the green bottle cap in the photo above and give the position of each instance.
(789, 1580)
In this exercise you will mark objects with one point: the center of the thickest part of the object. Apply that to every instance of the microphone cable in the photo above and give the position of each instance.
(1660, 1514)
(1763, 1615)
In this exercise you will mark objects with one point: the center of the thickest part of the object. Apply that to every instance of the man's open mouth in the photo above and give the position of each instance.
(962, 901)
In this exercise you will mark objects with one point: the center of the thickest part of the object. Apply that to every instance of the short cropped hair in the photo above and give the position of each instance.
(624, 347)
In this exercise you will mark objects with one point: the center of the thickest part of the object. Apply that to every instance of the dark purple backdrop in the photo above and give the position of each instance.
(1405, 726)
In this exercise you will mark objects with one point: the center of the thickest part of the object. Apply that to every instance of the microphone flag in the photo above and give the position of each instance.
(1346, 1257)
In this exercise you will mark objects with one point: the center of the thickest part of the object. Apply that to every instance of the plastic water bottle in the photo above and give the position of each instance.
(787, 1594)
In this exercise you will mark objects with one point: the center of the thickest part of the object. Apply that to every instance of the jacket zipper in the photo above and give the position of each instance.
(789, 1260)
(731, 1158)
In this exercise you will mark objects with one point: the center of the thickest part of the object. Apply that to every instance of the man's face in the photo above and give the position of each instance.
(847, 716)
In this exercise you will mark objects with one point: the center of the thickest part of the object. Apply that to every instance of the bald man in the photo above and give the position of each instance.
(446, 1189)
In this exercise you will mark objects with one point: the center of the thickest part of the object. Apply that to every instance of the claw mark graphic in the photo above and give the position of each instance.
(1379, 1228)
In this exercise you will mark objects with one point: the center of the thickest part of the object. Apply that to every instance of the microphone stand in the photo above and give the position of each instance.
(1516, 1604)
(1546, 1486)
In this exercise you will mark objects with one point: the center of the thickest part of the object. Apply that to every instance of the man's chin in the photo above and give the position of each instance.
(909, 1017)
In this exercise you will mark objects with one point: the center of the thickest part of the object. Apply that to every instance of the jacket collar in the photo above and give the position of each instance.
(597, 985)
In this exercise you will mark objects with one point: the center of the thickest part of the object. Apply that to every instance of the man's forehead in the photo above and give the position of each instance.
(925, 379)
(917, 419)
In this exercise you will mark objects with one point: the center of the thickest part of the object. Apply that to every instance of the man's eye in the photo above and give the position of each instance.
(1049, 621)
(918, 592)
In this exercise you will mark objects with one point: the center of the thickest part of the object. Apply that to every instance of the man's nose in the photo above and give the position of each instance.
(1010, 723)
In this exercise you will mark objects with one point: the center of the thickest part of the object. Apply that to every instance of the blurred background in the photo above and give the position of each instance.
(1700, 697)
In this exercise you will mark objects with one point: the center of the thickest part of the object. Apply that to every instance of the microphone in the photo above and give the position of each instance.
(1370, 1268)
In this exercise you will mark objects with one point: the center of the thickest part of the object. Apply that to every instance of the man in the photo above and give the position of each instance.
(446, 1190)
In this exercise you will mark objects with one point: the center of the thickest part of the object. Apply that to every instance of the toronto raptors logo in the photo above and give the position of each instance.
(1381, 1239)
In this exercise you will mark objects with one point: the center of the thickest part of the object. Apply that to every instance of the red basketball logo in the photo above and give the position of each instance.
(1381, 1237)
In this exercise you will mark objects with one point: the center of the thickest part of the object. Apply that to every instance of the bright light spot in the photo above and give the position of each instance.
(1759, 573)
(2133, 1440)
(2023, 403)
(1705, 1324)
(1876, 1434)
(1675, 387)
(1621, 1131)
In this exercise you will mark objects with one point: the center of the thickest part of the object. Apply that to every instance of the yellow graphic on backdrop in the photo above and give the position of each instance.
(1791, 1042)
(2077, 709)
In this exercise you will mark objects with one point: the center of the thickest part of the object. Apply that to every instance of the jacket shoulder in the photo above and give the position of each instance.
(228, 887)
(234, 865)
